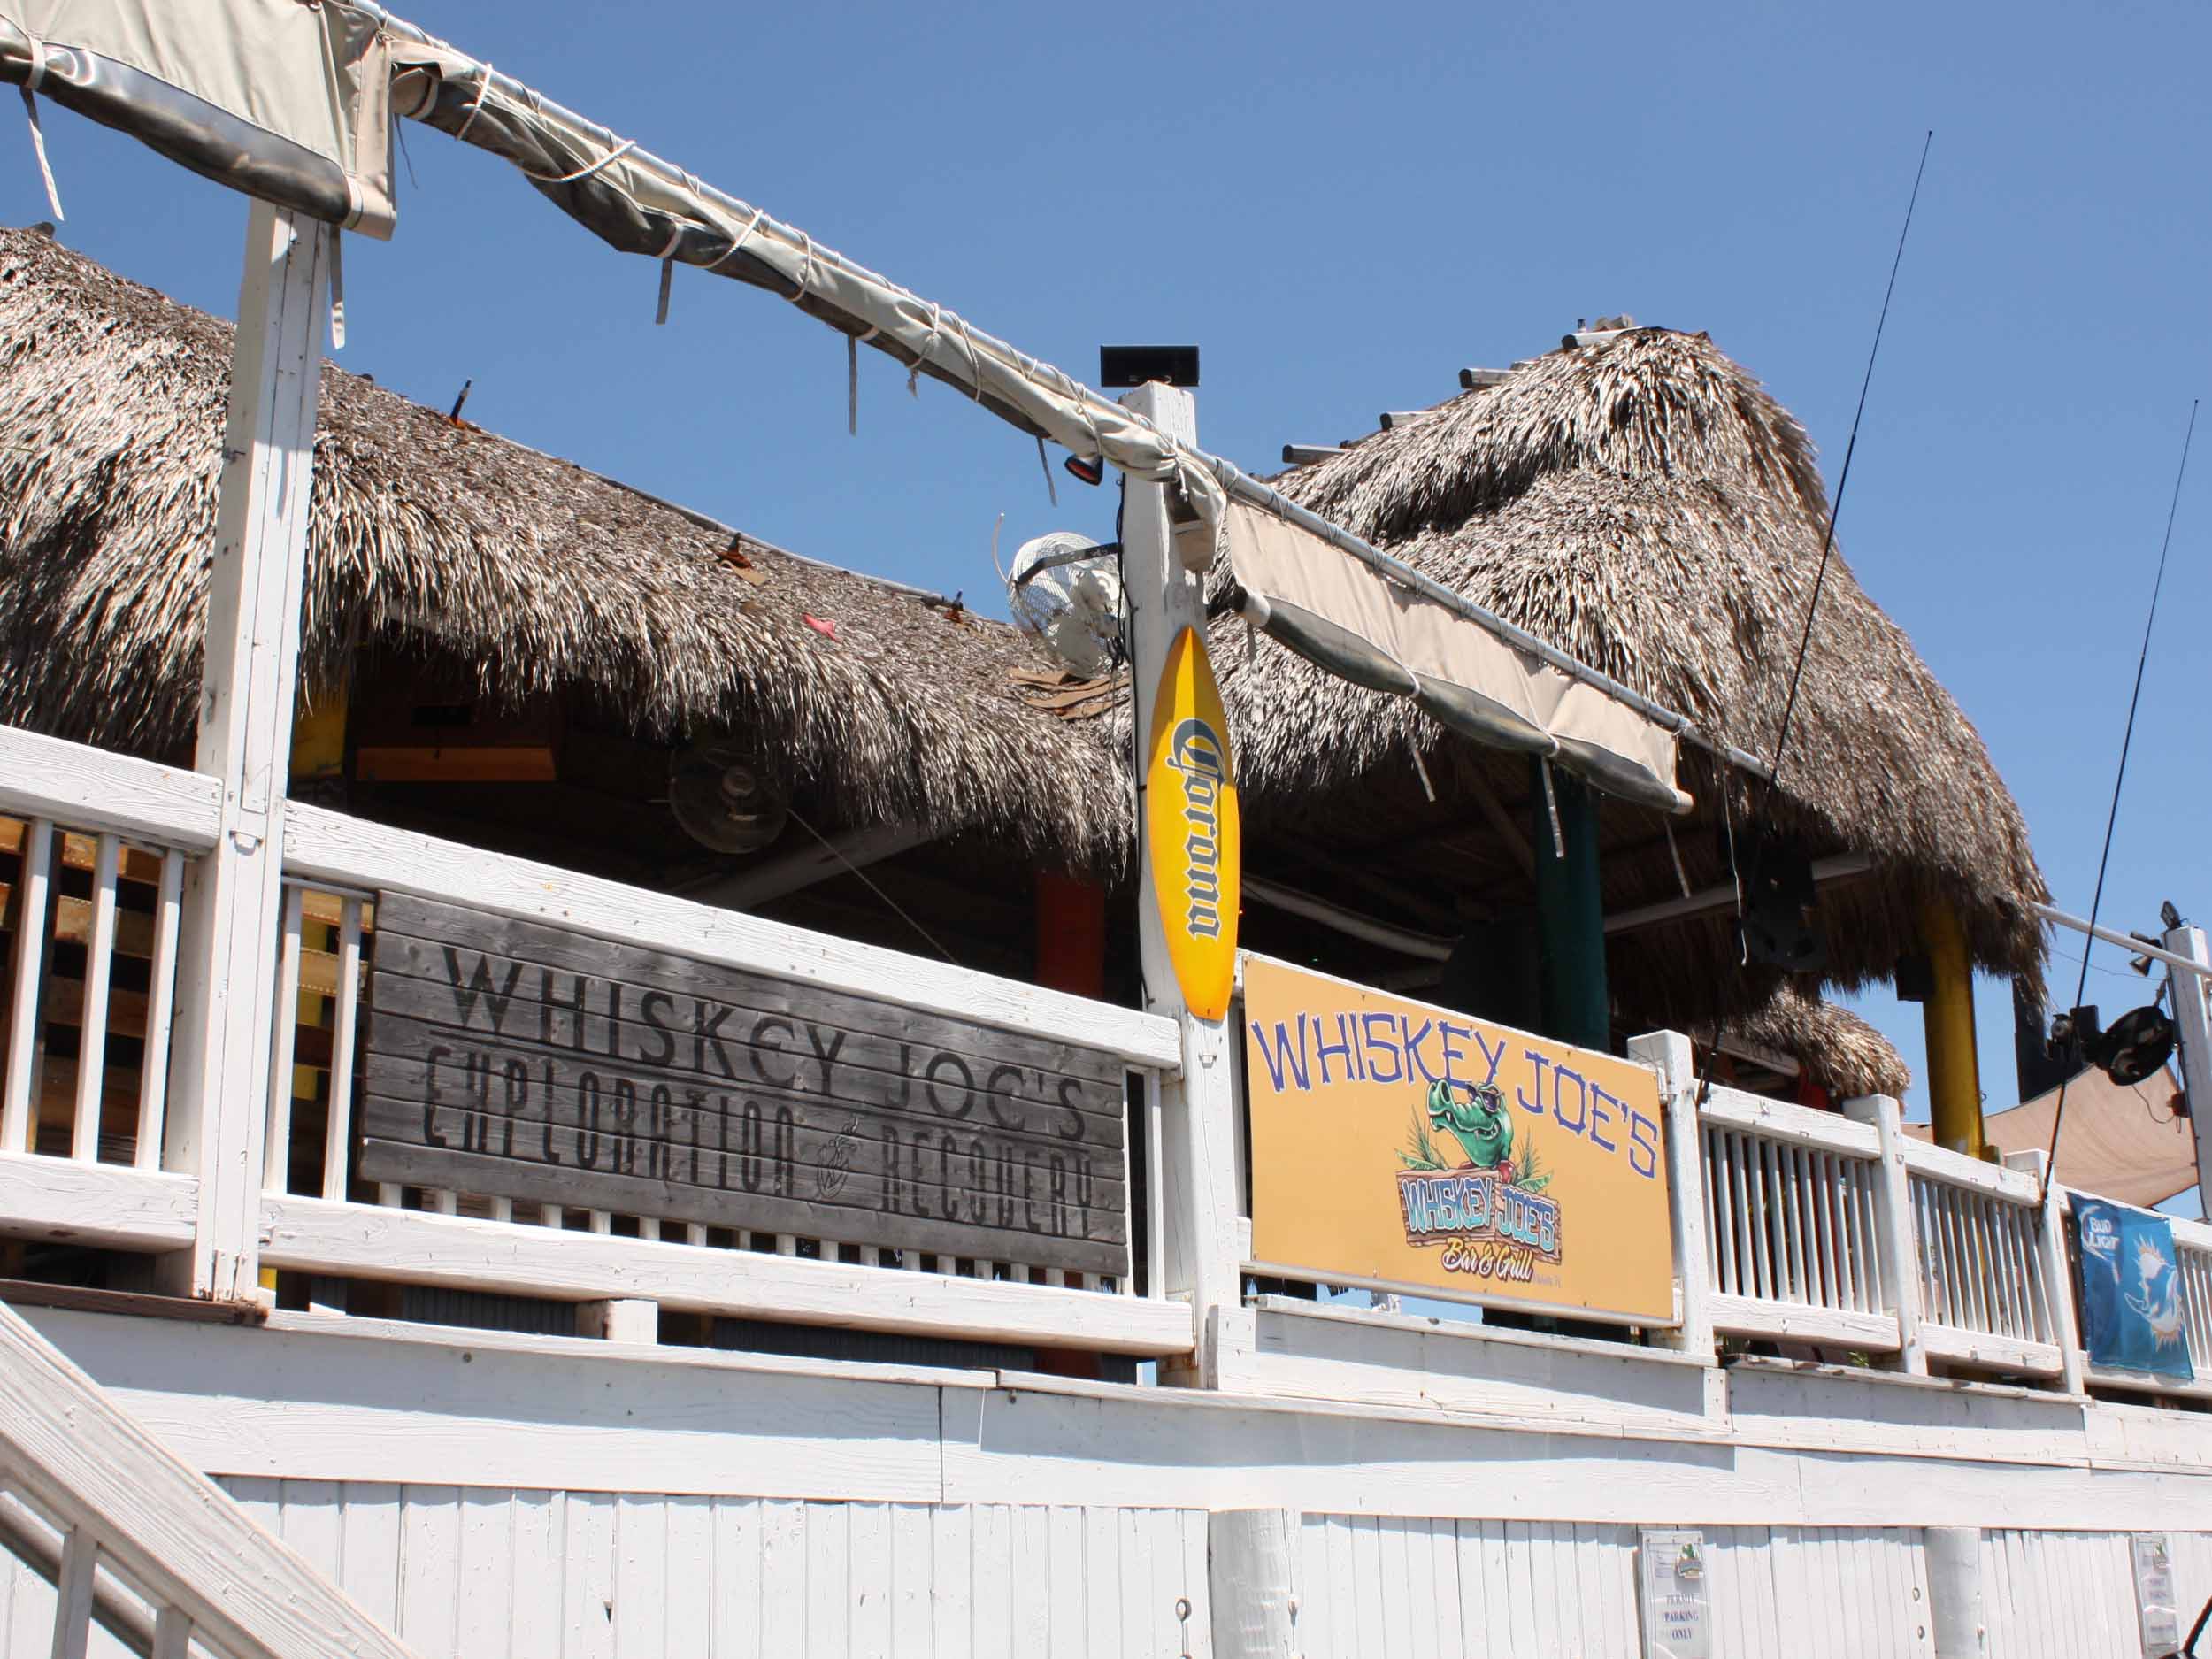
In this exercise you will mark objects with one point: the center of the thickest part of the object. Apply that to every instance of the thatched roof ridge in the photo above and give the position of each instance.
(111, 402)
(1645, 505)
(1838, 1050)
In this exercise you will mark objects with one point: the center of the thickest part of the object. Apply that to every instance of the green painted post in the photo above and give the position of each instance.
(1570, 911)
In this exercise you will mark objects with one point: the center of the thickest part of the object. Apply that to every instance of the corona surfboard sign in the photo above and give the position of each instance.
(1191, 827)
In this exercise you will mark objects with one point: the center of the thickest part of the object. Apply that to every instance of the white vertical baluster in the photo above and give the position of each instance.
(500, 1208)
(92, 1026)
(649, 1227)
(1876, 1283)
(1750, 1241)
(345, 1017)
(2004, 1255)
(390, 1194)
(73, 1594)
(173, 1634)
(1785, 1272)
(30, 966)
(602, 1221)
(695, 1233)
(550, 1216)
(276, 1167)
(442, 1202)
(1719, 1209)
(161, 999)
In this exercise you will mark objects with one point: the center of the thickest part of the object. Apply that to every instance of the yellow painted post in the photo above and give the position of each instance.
(1954, 1081)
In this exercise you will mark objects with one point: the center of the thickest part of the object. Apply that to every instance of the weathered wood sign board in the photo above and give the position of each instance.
(521, 1061)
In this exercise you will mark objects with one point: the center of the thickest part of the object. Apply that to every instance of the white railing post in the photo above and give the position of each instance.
(1199, 1185)
(1893, 1224)
(1670, 1054)
(2053, 1267)
(227, 956)
(2193, 1024)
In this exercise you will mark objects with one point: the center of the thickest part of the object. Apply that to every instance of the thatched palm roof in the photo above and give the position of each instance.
(1645, 505)
(541, 574)
(543, 577)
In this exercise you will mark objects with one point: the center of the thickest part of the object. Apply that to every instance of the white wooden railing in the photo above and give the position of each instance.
(1986, 1269)
(135, 1539)
(1793, 1222)
(319, 1220)
(1837, 1233)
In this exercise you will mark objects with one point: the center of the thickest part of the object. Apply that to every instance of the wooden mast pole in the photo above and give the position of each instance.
(1200, 1195)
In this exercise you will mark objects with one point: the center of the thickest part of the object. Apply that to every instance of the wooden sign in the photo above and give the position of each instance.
(520, 1061)
(1192, 828)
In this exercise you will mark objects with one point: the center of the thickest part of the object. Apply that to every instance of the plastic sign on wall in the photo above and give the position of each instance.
(1192, 828)
(1670, 1593)
(2158, 1616)
(1408, 1147)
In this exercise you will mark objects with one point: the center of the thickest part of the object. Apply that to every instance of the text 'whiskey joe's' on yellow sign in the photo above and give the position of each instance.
(1191, 827)
(1404, 1145)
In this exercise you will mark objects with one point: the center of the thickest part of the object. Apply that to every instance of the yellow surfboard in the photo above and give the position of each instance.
(1191, 823)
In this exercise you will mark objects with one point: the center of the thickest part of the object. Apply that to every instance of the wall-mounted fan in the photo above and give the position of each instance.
(1064, 588)
(724, 797)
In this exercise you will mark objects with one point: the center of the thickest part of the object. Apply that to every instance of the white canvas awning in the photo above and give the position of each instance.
(287, 101)
(1356, 621)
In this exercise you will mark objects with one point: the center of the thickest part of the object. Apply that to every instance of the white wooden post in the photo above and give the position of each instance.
(1893, 1224)
(2052, 1266)
(625, 1319)
(1955, 1591)
(1670, 1053)
(1248, 1582)
(226, 960)
(2193, 1024)
(1199, 1185)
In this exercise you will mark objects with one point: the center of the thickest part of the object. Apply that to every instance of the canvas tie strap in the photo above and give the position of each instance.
(1551, 808)
(38, 133)
(1051, 489)
(337, 289)
(475, 103)
(853, 343)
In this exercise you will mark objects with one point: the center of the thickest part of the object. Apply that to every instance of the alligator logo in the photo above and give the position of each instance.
(1488, 1207)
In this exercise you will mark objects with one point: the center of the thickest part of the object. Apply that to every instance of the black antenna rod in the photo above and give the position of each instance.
(2112, 816)
(1820, 579)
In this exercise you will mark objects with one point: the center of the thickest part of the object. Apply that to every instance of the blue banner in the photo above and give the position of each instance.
(2130, 1289)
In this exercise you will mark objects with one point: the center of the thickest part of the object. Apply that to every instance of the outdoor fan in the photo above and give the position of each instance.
(1065, 591)
(724, 798)
(2139, 1042)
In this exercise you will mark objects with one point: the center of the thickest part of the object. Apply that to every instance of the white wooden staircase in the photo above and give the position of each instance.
(141, 1544)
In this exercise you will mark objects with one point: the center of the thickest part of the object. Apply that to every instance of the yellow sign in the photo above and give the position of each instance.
(1191, 827)
(1403, 1145)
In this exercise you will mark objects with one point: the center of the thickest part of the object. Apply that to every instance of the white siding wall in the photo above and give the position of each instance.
(1384, 1588)
(486, 1573)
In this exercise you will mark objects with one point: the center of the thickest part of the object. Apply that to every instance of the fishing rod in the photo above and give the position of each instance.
(2112, 816)
(1812, 608)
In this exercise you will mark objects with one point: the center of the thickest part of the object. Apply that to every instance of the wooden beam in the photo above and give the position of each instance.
(416, 1247)
(1724, 896)
(1516, 843)
(1307, 454)
(782, 875)
(1472, 379)
(1348, 922)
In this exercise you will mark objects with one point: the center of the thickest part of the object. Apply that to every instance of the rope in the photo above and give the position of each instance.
(1812, 606)
(38, 133)
(2112, 816)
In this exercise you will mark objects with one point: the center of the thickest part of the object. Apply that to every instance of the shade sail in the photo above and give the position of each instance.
(286, 102)
(2120, 1142)
(1353, 620)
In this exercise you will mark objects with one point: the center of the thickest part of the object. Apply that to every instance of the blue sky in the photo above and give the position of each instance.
(1344, 206)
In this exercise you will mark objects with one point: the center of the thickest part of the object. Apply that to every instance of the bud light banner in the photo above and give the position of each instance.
(1407, 1146)
(2132, 1308)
